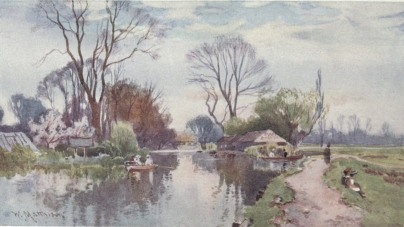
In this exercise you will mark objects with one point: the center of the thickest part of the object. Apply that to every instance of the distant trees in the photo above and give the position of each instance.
(363, 134)
(25, 109)
(123, 31)
(1, 114)
(204, 129)
(226, 70)
(354, 125)
(65, 81)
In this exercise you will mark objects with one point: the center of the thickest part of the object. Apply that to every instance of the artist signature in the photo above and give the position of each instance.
(30, 215)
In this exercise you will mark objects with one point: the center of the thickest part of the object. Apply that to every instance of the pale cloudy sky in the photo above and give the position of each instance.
(359, 47)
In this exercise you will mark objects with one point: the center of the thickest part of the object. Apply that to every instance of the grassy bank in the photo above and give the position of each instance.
(383, 187)
(268, 210)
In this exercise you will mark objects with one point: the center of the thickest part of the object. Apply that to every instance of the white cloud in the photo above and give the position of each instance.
(254, 4)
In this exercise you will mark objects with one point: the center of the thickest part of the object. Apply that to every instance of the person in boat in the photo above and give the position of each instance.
(349, 182)
(149, 160)
(137, 160)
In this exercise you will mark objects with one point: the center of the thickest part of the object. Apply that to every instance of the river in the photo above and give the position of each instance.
(187, 189)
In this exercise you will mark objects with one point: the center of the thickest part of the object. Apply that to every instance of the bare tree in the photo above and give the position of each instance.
(45, 89)
(122, 32)
(227, 69)
(341, 120)
(385, 130)
(368, 127)
(354, 125)
(321, 130)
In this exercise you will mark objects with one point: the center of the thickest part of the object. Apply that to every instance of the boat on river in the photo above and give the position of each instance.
(288, 158)
(131, 166)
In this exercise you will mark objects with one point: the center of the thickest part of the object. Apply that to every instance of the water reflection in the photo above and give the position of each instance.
(187, 189)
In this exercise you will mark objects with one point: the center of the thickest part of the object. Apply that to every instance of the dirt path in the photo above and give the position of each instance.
(315, 204)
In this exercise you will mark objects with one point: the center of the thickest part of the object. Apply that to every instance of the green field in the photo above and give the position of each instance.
(383, 187)
(386, 155)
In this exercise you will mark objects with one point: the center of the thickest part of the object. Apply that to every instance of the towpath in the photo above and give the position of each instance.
(315, 203)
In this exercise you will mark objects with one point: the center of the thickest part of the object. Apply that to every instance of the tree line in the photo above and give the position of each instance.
(356, 133)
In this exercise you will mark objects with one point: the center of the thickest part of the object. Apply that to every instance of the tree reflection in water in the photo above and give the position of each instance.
(200, 188)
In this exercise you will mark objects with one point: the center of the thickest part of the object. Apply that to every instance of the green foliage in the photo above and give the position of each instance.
(265, 210)
(383, 208)
(263, 150)
(19, 161)
(122, 142)
(235, 126)
(51, 155)
(290, 111)
(19, 154)
(210, 146)
(107, 161)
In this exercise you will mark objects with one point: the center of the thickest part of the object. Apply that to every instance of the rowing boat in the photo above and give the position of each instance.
(296, 157)
(130, 166)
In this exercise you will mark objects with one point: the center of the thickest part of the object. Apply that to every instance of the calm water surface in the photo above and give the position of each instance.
(189, 189)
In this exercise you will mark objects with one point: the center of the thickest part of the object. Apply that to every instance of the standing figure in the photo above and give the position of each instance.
(149, 161)
(137, 160)
(285, 154)
(327, 154)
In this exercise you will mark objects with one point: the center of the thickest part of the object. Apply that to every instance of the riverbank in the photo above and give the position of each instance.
(316, 204)
(382, 183)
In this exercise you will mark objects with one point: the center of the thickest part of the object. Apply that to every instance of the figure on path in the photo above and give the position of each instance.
(327, 154)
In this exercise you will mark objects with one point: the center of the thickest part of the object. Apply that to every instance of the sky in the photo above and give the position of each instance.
(359, 47)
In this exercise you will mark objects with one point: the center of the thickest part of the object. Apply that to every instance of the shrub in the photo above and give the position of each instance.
(19, 154)
(122, 142)
(51, 155)
(263, 150)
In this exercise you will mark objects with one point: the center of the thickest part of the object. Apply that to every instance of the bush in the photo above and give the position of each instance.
(122, 142)
(51, 155)
(19, 154)
(209, 146)
(263, 150)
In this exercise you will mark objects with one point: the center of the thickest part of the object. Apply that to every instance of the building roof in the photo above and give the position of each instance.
(261, 136)
(8, 140)
(226, 139)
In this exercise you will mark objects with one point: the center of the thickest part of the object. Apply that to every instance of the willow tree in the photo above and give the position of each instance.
(227, 69)
(293, 111)
(102, 37)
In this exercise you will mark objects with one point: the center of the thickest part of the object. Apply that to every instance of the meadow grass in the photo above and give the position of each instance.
(264, 211)
(386, 155)
(383, 204)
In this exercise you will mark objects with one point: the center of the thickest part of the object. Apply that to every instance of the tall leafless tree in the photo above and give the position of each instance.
(321, 130)
(354, 125)
(368, 127)
(45, 89)
(122, 32)
(341, 120)
(227, 69)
